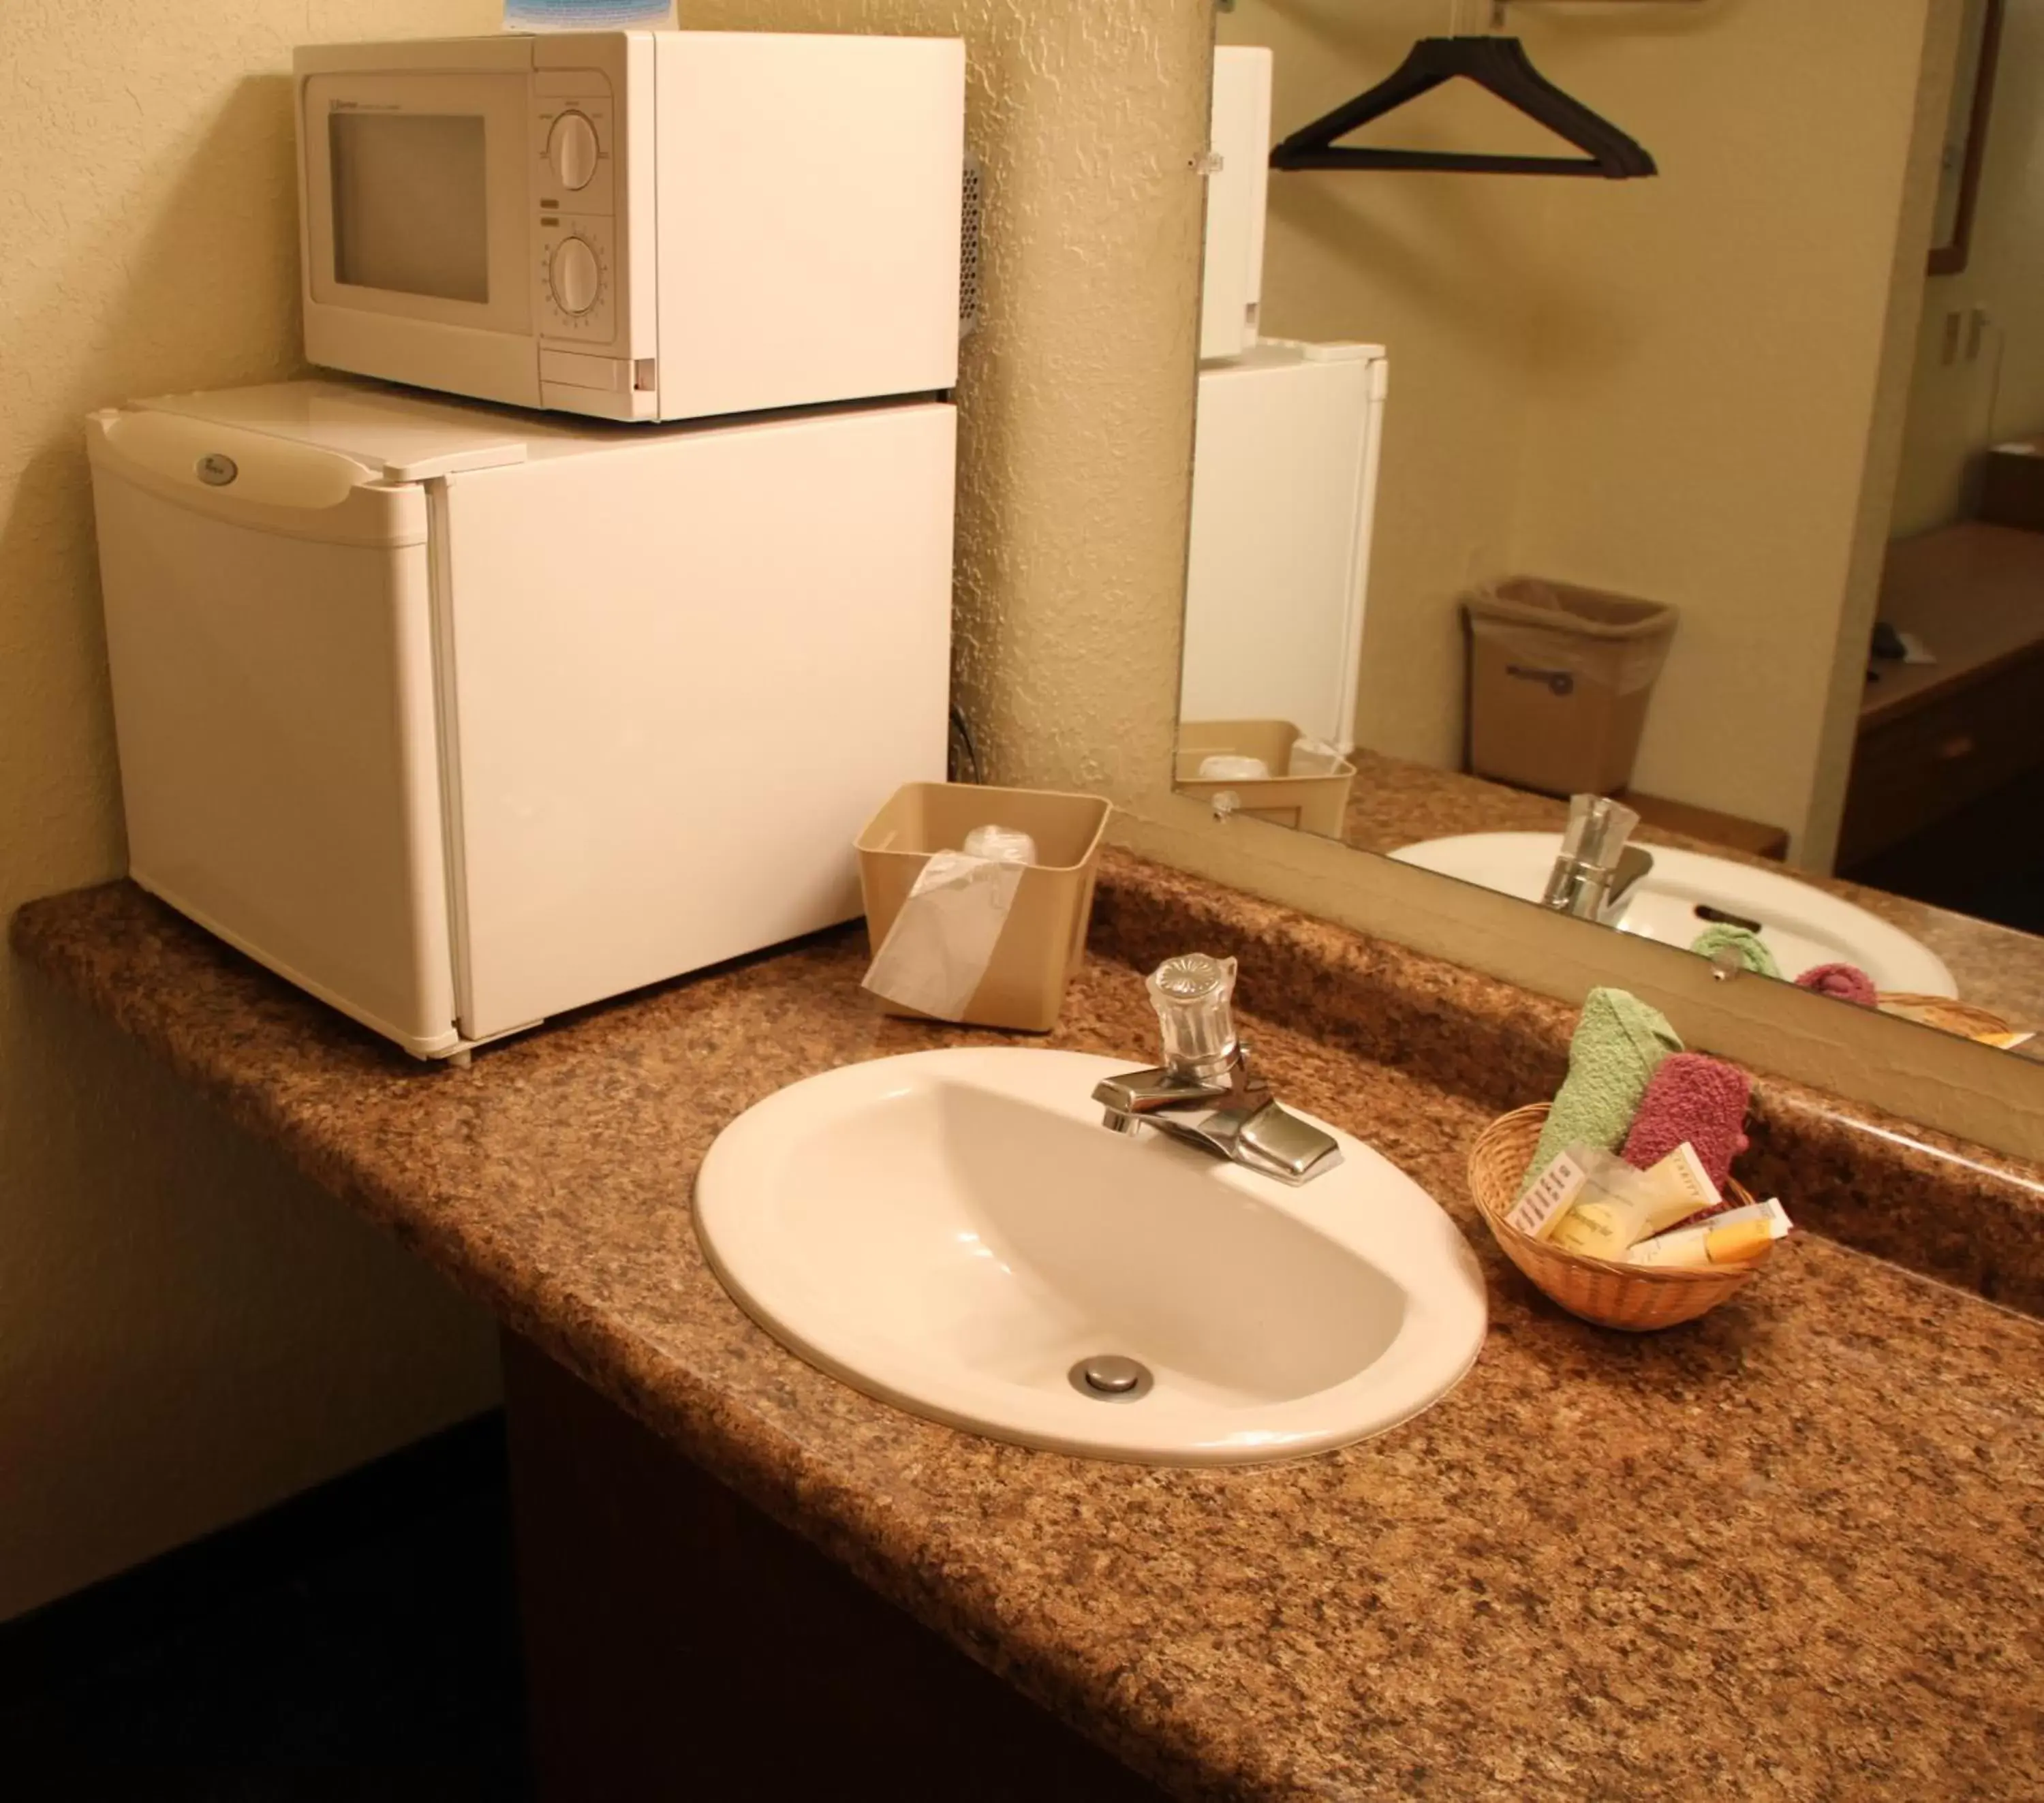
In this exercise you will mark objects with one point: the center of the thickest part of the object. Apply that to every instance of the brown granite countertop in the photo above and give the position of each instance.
(1397, 802)
(1790, 1552)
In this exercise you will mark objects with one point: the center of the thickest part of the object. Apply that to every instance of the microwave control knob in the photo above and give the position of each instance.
(576, 277)
(571, 149)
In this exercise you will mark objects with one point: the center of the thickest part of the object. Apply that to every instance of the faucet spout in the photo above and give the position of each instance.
(1206, 1093)
(1595, 870)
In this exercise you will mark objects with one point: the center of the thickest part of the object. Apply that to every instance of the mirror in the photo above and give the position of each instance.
(1964, 152)
(1510, 488)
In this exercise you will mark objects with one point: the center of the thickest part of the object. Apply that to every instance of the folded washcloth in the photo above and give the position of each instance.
(1752, 954)
(1848, 982)
(1699, 1099)
(1618, 1041)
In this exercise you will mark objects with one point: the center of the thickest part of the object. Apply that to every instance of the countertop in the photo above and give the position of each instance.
(1396, 802)
(1790, 1552)
(1974, 592)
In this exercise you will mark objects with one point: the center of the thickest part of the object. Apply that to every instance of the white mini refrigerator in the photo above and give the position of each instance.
(1284, 463)
(458, 718)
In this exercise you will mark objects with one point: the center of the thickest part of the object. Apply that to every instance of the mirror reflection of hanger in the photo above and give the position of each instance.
(1501, 66)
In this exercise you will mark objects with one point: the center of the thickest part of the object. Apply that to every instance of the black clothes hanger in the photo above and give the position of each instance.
(1500, 64)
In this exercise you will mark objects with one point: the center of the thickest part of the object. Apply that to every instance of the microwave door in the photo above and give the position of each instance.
(410, 204)
(417, 243)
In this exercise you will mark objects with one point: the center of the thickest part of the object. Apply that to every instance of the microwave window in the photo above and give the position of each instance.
(409, 211)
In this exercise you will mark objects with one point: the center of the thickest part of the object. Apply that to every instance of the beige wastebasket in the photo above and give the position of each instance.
(1559, 679)
(1314, 803)
(1042, 943)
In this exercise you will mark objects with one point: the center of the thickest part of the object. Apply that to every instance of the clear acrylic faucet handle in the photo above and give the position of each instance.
(1193, 995)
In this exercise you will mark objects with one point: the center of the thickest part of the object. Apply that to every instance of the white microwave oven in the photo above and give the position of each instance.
(637, 226)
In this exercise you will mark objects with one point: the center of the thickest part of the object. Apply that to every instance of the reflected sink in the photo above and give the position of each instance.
(1802, 926)
(954, 1232)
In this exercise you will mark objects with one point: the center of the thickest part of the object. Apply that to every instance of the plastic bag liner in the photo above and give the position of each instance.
(1559, 678)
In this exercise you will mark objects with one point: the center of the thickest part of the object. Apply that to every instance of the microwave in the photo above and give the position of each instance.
(636, 226)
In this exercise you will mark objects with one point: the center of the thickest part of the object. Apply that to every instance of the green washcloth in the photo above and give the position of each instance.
(1618, 1042)
(1752, 954)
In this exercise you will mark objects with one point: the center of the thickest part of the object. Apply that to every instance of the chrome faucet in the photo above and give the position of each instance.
(1206, 1093)
(1595, 870)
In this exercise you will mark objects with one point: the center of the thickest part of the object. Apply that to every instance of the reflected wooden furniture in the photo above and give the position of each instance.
(1936, 737)
(2012, 486)
(1730, 831)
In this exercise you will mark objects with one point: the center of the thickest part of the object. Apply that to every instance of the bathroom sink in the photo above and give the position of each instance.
(1802, 926)
(955, 1232)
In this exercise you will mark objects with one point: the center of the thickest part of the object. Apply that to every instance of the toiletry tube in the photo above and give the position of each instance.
(1680, 1176)
(1731, 1238)
(1619, 1206)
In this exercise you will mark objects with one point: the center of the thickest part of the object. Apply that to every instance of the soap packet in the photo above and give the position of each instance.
(1591, 1202)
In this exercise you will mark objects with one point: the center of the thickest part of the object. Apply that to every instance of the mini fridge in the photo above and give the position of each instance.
(1284, 463)
(458, 718)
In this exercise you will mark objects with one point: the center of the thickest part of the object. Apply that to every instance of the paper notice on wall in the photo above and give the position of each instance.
(587, 15)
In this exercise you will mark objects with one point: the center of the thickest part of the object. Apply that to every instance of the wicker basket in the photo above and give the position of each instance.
(1637, 1297)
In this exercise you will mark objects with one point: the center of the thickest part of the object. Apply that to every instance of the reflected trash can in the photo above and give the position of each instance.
(1307, 799)
(1559, 679)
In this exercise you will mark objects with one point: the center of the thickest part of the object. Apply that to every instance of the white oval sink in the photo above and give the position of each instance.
(954, 1231)
(1802, 926)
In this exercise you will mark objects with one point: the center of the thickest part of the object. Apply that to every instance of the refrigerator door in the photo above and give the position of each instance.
(686, 667)
(1283, 488)
(268, 628)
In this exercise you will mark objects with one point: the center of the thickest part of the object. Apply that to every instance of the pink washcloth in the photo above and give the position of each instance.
(1846, 982)
(1693, 1097)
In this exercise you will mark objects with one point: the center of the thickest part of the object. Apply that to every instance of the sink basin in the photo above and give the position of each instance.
(1802, 926)
(954, 1232)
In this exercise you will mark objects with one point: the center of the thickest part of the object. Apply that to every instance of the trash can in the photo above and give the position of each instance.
(1041, 945)
(1559, 679)
(1312, 801)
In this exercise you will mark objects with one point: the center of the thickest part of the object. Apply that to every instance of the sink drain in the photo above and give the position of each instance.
(1110, 1377)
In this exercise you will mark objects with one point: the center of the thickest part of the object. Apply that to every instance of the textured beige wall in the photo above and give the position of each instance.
(1709, 364)
(1956, 409)
(1664, 387)
(1075, 396)
(1449, 273)
(187, 1330)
